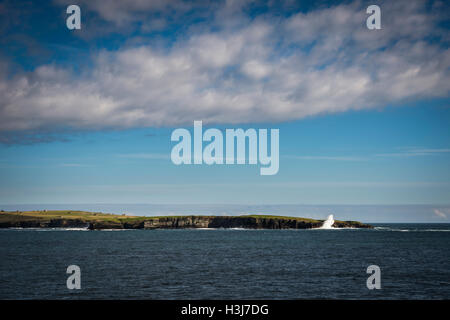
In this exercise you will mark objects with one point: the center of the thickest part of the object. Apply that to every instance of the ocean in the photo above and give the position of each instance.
(227, 264)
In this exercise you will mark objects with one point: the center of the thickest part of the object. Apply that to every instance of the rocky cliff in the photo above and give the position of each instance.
(96, 221)
(223, 222)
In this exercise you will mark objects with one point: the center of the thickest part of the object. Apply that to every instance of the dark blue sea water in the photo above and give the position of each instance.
(227, 264)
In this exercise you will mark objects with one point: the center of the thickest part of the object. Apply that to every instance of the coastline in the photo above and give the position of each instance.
(99, 221)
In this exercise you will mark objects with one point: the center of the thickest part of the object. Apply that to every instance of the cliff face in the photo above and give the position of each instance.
(223, 222)
(38, 223)
(96, 221)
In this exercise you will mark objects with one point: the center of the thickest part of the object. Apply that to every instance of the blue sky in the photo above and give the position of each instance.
(86, 116)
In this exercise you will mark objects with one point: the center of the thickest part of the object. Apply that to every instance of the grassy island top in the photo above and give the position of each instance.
(7, 216)
(99, 220)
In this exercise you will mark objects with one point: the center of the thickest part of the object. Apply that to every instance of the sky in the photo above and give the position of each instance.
(86, 115)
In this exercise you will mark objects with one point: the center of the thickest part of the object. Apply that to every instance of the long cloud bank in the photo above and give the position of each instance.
(243, 70)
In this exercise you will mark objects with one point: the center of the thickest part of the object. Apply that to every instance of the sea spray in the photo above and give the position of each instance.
(328, 224)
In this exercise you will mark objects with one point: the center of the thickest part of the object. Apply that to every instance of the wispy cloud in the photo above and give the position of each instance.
(440, 213)
(28, 138)
(74, 165)
(331, 158)
(402, 153)
(362, 184)
(414, 152)
(144, 156)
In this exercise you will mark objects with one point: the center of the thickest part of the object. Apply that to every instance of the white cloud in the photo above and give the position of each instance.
(269, 69)
(256, 69)
(440, 213)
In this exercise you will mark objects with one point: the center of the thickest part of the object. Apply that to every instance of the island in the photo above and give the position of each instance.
(99, 221)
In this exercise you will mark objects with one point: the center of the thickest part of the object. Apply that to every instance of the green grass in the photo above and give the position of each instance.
(99, 216)
(58, 214)
(257, 216)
